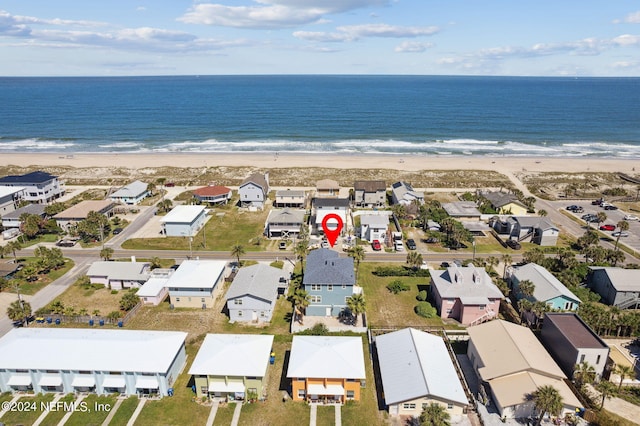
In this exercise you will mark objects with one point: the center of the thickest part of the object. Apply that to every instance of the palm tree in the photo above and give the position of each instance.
(508, 261)
(623, 225)
(583, 373)
(492, 262)
(300, 300)
(13, 247)
(151, 187)
(547, 399)
(106, 253)
(358, 255)
(301, 250)
(606, 389)
(526, 288)
(542, 213)
(357, 305)
(414, 259)
(237, 251)
(156, 262)
(434, 414)
(19, 310)
(601, 217)
(96, 312)
(624, 371)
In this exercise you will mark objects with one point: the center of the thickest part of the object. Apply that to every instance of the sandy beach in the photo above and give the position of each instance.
(338, 161)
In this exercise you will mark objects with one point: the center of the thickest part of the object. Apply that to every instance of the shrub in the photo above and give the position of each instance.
(396, 286)
(399, 271)
(425, 310)
(319, 329)
(422, 295)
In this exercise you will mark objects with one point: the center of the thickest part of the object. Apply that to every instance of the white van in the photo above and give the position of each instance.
(398, 246)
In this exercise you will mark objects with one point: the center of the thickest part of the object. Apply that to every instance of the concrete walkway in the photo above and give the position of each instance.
(136, 413)
(338, 415)
(45, 413)
(112, 412)
(313, 415)
(236, 414)
(76, 403)
(212, 413)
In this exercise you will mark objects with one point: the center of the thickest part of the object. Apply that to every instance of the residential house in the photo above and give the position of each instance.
(155, 290)
(290, 198)
(70, 217)
(327, 188)
(416, 370)
(232, 366)
(462, 210)
(403, 193)
(184, 221)
(505, 203)
(370, 193)
(374, 227)
(213, 194)
(131, 194)
(570, 341)
(547, 288)
(329, 280)
(326, 368)
(254, 190)
(535, 229)
(194, 283)
(70, 360)
(253, 293)
(119, 275)
(616, 286)
(7, 269)
(511, 364)
(325, 206)
(466, 294)
(39, 187)
(12, 219)
(285, 223)
(10, 196)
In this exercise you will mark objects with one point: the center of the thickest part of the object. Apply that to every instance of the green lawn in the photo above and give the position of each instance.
(43, 280)
(29, 412)
(54, 417)
(94, 409)
(126, 409)
(40, 238)
(225, 414)
(7, 396)
(326, 415)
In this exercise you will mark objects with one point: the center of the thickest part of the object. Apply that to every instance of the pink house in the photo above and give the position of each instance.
(466, 294)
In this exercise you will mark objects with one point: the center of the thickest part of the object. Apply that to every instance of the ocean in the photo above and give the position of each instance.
(423, 115)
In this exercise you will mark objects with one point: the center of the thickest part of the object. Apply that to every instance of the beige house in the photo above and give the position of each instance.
(327, 188)
(79, 212)
(511, 364)
(195, 282)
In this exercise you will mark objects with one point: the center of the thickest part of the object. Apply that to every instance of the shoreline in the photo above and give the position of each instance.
(274, 160)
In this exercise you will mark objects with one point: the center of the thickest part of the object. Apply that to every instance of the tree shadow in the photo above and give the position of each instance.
(284, 381)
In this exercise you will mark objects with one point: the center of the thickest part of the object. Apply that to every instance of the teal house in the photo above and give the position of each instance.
(329, 279)
(547, 287)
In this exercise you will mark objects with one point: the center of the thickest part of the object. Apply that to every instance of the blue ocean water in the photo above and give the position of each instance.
(435, 115)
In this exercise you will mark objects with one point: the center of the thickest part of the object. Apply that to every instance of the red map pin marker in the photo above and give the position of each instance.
(332, 234)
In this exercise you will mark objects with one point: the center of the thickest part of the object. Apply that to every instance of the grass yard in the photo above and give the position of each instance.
(225, 414)
(90, 298)
(40, 238)
(43, 280)
(27, 416)
(326, 415)
(7, 396)
(125, 411)
(387, 309)
(98, 408)
(54, 417)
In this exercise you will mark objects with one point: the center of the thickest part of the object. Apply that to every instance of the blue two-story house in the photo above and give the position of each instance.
(329, 280)
(547, 288)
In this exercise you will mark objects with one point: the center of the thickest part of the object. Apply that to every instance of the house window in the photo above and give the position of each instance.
(598, 359)
(330, 287)
(409, 406)
(202, 299)
(582, 358)
(239, 313)
(177, 299)
(449, 302)
(482, 307)
(237, 301)
(351, 394)
(316, 287)
(301, 393)
(315, 299)
(449, 406)
(449, 311)
(262, 314)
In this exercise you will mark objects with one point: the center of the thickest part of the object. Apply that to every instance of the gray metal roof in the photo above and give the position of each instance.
(129, 271)
(289, 193)
(499, 199)
(370, 185)
(331, 202)
(465, 282)
(325, 266)
(534, 222)
(374, 220)
(547, 286)
(622, 279)
(29, 178)
(403, 190)
(134, 189)
(461, 208)
(37, 209)
(259, 280)
(416, 364)
(258, 179)
(286, 216)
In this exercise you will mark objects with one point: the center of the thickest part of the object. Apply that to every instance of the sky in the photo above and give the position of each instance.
(406, 37)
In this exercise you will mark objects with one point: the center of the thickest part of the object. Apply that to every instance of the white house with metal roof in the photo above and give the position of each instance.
(119, 275)
(155, 290)
(232, 366)
(39, 187)
(326, 368)
(290, 198)
(131, 194)
(416, 370)
(194, 283)
(67, 360)
(617, 286)
(374, 227)
(285, 223)
(253, 293)
(12, 219)
(403, 193)
(9, 198)
(547, 288)
(184, 221)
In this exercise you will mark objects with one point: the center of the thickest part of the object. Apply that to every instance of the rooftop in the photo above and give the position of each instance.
(197, 274)
(133, 189)
(258, 179)
(534, 222)
(462, 208)
(622, 279)
(258, 280)
(326, 184)
(29, 178)
(129, 271)
(374, 220)
(500, 199)
(183, 214)
(575, 330)
(332, 357)
(10, 190)
(468, 283)
(331, 202)
(82, 209)
(37, 209)
(325, 266)
(211, 191)
(290, 193)
(546, 286)
(233, 355)
(286, 216)
(370, 185)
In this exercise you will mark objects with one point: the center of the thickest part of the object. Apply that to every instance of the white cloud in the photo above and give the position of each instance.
(626, 64)
(271, 13)
(412, 47)
(357, 32)
(627, 40)
(632, 18)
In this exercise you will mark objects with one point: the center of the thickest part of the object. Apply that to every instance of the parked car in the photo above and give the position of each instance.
(514, 244)
(282, 245)
(620, 234)
(375, 244)
(398, 246)
(610, 207)
(631, 217)
(117, 231)
(574, 208)
(411, 244)
(431, 240)
(608, 227)
(587, 215)
(597, 202)
(66, 243)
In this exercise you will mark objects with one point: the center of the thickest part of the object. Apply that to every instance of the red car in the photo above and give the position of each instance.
(608, 228)
(375, 244)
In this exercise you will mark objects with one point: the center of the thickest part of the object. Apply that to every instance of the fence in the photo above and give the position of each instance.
(84, 319)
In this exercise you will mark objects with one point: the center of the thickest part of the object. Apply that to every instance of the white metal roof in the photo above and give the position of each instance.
(183, 214)
(338, 357)
(546, 286)
(414, 364)
(152, 287)
(259, 280)
(130, 271)
(134, 189)
(233, 355)
(90, 349)
(197, 274)
(10, 190)
(374, 220)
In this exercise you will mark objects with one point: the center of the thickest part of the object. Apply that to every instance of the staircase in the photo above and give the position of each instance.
(529, 235)
(627, 303)
(485, 317)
